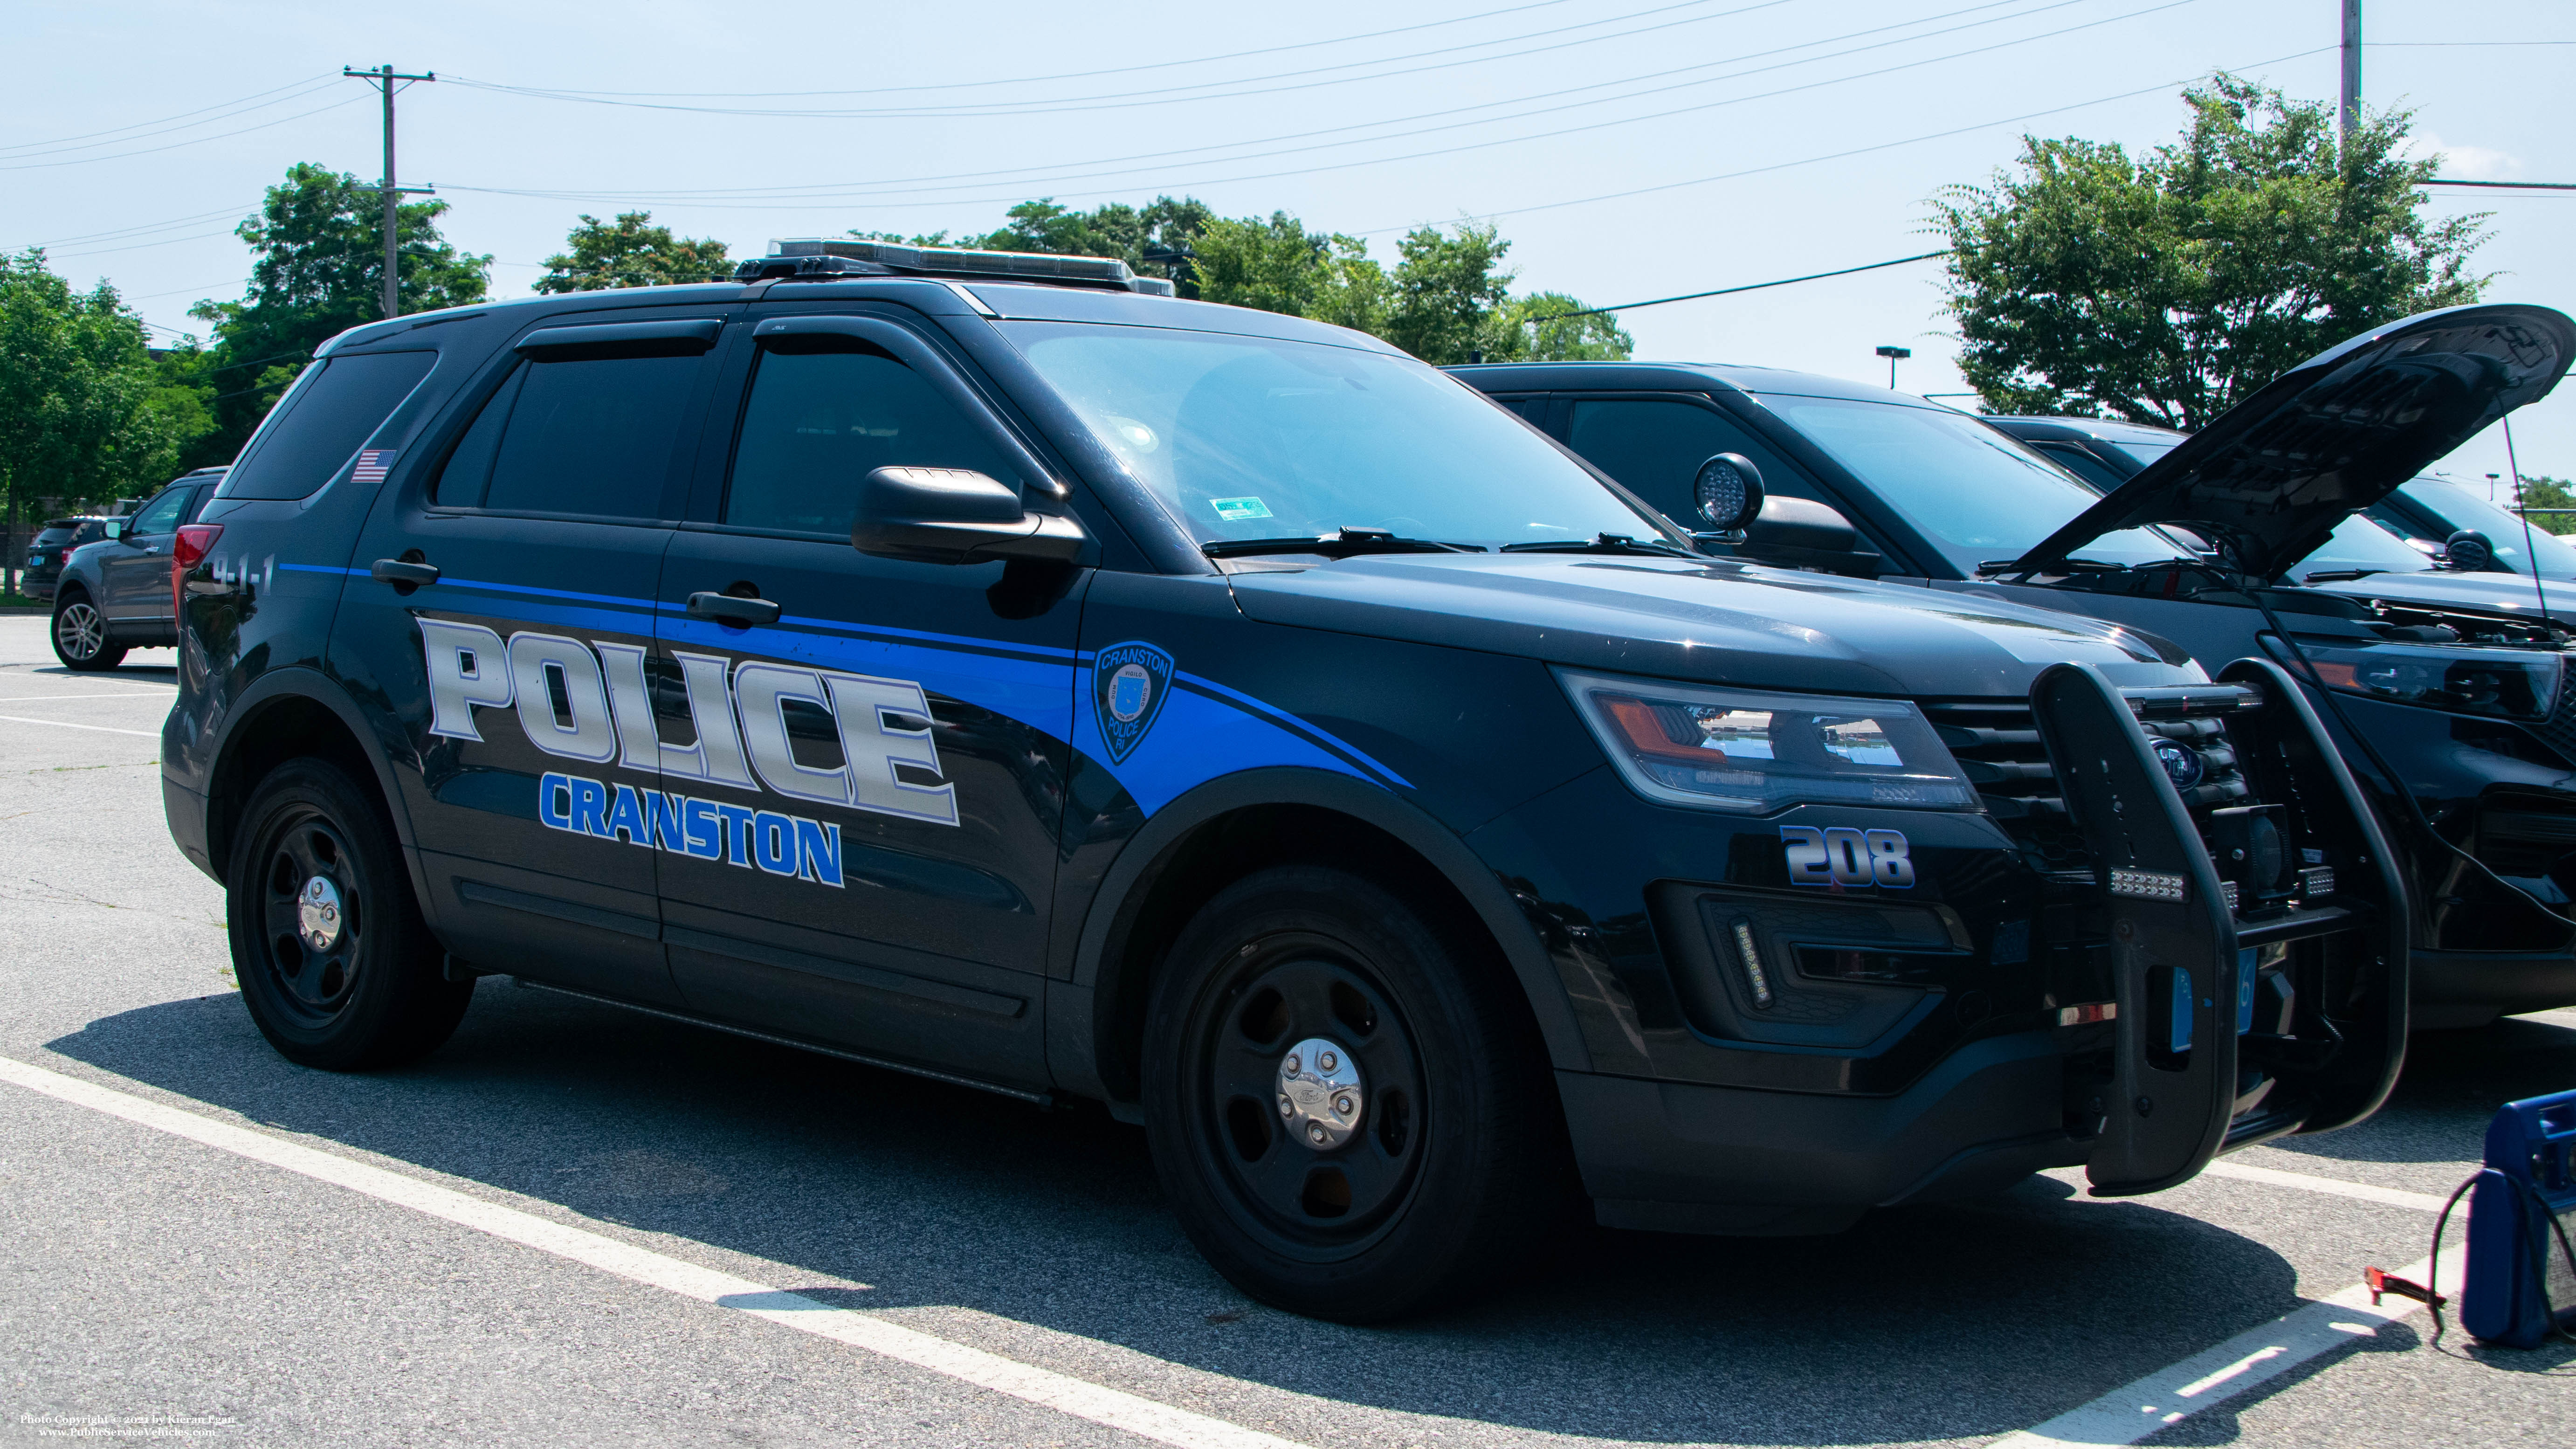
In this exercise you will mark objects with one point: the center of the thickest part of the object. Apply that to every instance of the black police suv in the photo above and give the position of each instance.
(113, 593)
(2457, 690)
(975, 664)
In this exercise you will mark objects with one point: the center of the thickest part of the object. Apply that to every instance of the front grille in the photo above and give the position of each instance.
(1999, 748)
(2560, 728)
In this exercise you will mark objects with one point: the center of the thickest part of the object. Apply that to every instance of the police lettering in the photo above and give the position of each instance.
(590, 701)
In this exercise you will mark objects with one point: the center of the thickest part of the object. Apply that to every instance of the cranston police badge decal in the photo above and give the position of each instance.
(1128, 684)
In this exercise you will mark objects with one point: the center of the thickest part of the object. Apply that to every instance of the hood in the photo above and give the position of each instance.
(2507, 594)
(1716, 621)
(2273, 476)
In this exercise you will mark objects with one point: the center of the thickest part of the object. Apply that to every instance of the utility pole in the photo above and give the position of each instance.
(2351, 67)
(384, 78)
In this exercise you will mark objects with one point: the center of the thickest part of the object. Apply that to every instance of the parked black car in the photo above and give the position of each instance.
(2455, 684)
(52, 548)
(971, 663)
(116, 594)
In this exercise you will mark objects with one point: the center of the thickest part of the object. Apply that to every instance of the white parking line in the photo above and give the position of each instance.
(1078, 1397)
(93, 694)
(64, 724)
(2336, 1186)
(2135, 1410)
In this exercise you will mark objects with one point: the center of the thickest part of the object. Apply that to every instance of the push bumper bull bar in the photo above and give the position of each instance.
(2178, 1096)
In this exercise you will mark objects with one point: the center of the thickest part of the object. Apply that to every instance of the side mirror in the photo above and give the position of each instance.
(2470, 552)
(956, 516)
(1728, 489)
(115, 529)
(1804, 534)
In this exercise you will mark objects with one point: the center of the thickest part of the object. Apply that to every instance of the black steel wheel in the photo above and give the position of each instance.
(334, 962)
(1349, 1108)
(80, 634)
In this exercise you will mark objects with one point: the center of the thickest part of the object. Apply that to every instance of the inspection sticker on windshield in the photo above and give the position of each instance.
(1236, 509)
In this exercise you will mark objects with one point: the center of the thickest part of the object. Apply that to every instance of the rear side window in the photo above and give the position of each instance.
(52, 536)
(818, 422)
(324, 421)
(579, 439)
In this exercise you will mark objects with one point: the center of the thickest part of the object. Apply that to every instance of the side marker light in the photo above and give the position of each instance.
(1753, 972)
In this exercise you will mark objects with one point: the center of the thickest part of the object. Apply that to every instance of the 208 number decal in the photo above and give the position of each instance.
(1840, 856)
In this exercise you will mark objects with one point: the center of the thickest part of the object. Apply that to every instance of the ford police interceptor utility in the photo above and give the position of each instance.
(980, 665)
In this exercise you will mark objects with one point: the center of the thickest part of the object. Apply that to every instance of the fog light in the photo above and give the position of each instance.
(2317, 880)
(1753, 972)
(2147, 885)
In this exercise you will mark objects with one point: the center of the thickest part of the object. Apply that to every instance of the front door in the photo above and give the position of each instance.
(501, 606)
(134, 575)
(869, 794)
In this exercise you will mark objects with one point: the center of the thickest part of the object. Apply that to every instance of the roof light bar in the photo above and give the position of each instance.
(815, 257)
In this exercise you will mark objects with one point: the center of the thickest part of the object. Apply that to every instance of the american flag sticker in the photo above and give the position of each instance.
(372, 465)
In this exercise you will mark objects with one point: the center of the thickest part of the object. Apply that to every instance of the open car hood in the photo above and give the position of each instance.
(2273, 476)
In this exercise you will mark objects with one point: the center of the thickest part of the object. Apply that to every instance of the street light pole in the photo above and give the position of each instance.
(1893, 356)
(2351, 111)
(384, 78)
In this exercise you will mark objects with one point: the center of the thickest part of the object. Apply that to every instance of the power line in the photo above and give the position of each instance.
(1747, 287)
(1068, 75)
(142, 228)
(1034, 177)
(1162, 95)
(1866, 150)
(2509, 185)
(165, 120)
(809, 203)
(175, 145)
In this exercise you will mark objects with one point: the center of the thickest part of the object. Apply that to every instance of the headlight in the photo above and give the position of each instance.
(2507, 683)
(1753, 753)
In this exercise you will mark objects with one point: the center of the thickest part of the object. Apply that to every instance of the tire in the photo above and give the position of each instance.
(1455, 1158)
(348, 978)
(80, 634)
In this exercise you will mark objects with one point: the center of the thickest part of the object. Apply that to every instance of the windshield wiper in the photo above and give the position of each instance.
(1344, 543)
(2071, 565)
(2337, 576)
(1605, 543)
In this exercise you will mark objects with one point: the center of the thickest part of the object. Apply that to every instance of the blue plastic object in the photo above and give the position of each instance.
(2512, 1249)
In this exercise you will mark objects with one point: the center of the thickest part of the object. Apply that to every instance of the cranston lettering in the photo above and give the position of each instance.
(590, 701)
(780, 844)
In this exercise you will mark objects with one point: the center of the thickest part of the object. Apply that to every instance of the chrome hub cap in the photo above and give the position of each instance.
(317, 914)
(1320, 1097)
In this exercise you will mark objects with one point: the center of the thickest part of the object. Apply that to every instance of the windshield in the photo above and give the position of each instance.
(1979, 496)
(2461, 508)
(2140, 451)
(1252, 437)
(2358, 543)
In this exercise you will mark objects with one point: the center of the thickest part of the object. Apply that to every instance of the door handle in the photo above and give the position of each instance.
(400, 571)
(728, 609)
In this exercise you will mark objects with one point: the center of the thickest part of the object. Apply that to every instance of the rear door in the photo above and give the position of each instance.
(516, 671)
(869, 860)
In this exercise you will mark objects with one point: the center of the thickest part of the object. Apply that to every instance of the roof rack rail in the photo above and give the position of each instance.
(823, 258)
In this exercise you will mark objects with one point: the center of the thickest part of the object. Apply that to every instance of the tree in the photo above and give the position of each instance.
(629, 253)
(80, 415)
(1542, 327)
(1449, 290)
(1279, 266)
(2542, 492)
(318, 270)
(2165, 288)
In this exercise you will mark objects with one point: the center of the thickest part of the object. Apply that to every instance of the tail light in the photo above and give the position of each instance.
(195, 541)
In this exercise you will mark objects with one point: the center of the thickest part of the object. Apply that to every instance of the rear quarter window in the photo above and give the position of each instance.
(323, 422)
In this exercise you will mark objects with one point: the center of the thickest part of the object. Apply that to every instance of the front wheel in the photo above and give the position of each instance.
(80, 635)
(1349, 1108)
(334, 961)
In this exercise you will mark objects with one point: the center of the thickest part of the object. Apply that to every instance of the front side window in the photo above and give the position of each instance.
(590, 438)
(1977, 495)
(1656, 446)
(818, 422)
(161, 515)
(1254, 437)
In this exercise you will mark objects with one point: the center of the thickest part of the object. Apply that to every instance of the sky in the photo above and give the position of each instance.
(1629, 149)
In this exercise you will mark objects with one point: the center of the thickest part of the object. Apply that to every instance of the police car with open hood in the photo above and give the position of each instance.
(983, 666)
(2454, 676)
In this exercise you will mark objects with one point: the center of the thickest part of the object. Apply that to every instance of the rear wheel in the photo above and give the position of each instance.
(335, 963)
(1352, 1114)
(80, 634)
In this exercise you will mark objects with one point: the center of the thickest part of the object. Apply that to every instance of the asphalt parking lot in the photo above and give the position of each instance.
(578, 1225)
